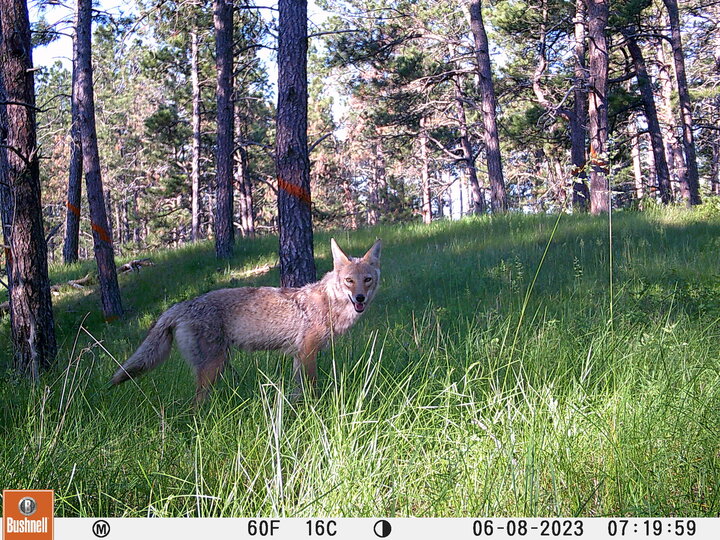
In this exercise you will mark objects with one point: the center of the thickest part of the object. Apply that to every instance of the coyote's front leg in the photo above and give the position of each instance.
(305, 366)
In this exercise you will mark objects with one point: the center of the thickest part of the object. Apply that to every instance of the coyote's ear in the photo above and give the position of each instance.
(373, 254)
(339, 257)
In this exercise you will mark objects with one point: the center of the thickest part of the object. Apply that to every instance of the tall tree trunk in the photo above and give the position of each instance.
(715, 169)
(381, 177)
(673, 149)
(637, 163)
(224, 230)
(373, 213)
(349, 201)
(297, 264)
(31, 315)
(102, 239)
(478, 198)
(195, 159)
(691, 189)
(648, 99)
(426, 210)
(498, 196)
(597, 11)
(74, 191)
(578, 120)
(242, 178)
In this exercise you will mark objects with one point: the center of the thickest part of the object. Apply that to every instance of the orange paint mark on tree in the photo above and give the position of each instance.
(296, 191)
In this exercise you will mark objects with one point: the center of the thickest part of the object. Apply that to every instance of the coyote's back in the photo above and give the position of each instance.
(297, 321)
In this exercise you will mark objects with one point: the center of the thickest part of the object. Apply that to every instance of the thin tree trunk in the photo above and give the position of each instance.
(478, 198)
(242, 178)
(690, 189)
(426, 210)
(126, 220)
(381, 168)
(578, 120)
(195, 159)
(373, 213)
(31, 316)
(498, 197)
(102, 239)
(297, 263)
(224, 230)
(673, 149)
(637, 162)
(349, 201)
(597, 11)
(74, 191)
(136, 234)
(656, 140)
(715, 169)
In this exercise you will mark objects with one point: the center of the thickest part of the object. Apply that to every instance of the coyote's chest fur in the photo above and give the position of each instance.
(296, 321)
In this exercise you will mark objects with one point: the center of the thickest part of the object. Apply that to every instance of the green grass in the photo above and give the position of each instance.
(457, 394)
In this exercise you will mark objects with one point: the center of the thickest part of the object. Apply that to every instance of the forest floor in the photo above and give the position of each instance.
(498, 372)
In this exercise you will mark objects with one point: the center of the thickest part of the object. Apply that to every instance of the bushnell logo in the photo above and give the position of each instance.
(28, 514)
(27, 506)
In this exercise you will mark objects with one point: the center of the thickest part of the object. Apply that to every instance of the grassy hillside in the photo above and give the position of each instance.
(480, 382)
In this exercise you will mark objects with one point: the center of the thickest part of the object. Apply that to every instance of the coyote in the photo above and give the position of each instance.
(297, 321)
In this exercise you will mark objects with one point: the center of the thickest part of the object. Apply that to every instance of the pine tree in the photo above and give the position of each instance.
(498, 197)
(224, 228)
(31, 316)
(74, 188)
(297, 263)
(598, 65)
(102, 236)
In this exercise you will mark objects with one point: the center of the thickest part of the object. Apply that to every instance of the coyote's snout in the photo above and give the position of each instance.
(298, 321)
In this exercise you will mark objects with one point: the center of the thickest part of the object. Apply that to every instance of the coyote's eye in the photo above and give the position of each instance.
(368, 279)
(349, 280)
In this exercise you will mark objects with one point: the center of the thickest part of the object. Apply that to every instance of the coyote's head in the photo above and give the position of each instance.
(357, 278)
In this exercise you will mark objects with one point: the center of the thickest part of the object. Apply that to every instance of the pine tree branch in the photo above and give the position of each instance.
(316, 143)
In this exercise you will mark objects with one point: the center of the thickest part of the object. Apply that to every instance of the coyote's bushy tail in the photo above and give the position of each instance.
(152, 352)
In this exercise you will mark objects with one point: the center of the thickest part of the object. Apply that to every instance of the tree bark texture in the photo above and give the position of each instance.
(426, 210)
(242, 177)
(715, 170)
(648, 99)
(102, 237)
(690, 189)
(224, 231)
(673, 148)
(578, 120)
(637, 163)
(31, 316)
(373, 211)
(478, 198)
(349, 204)
(381, 177)
(195, 160)
(498, 196)
(74, 190)
(597, 11)
(297, 264)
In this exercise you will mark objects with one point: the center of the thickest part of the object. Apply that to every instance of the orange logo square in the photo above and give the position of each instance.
(28, 514)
